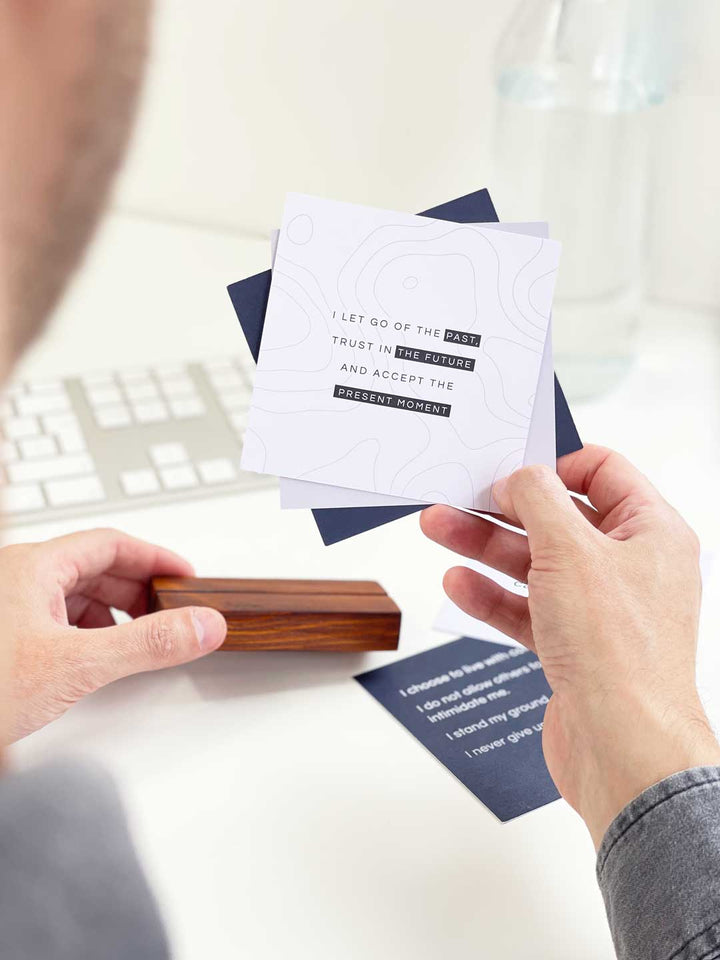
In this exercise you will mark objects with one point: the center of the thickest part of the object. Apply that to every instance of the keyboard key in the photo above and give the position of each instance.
(17, 427)
(63, 493)
(109, 418)
(102, 378)
(138, 482)
(71, 440)
(235, 399)
(27, 497)
(107, 393)
(43, 403)
(178, 386)
(56, 422)
(150, 411)
(178, 478)
(219, 470)
(142, 390)
(184, 408)
(168, 454)
(227, 380)
(50, 468)
(37, 447)
(8, 451)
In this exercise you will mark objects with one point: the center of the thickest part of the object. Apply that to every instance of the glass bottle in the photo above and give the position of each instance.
(575, 81)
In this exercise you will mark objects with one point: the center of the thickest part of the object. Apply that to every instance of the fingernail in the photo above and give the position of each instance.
(499, 489)
(210, 628)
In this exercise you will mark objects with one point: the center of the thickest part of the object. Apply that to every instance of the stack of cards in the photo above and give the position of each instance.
(407, 360)
(403, 360)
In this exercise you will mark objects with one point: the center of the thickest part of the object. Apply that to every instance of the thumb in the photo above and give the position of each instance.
(537, 498)
(162, 639)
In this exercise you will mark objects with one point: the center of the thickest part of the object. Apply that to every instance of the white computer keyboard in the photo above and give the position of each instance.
(124, 438)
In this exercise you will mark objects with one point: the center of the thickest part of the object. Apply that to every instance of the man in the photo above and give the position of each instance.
(69, 77)
(614, 588)
(70, 885)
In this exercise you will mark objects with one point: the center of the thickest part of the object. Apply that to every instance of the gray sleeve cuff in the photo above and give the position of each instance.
(659, 870)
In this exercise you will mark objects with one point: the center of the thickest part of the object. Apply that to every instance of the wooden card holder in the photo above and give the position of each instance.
(329, 615)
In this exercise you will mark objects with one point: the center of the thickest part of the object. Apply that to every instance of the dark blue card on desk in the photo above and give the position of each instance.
(479, 708)
(249, 298)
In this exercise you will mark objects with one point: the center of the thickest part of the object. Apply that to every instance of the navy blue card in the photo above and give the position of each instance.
(249, 298)
(479, 708)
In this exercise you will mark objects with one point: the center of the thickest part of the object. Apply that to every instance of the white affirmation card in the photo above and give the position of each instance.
(540, 448)
(400, 355)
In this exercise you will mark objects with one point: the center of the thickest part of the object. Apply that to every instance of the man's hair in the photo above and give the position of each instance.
(65, 122)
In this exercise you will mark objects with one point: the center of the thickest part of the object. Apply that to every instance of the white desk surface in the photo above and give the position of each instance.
(279, 811)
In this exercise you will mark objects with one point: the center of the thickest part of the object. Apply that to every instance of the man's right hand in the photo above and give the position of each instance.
(614, 599)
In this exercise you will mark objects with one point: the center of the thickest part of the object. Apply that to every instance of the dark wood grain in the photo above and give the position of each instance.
(340, 615)
(221, 585)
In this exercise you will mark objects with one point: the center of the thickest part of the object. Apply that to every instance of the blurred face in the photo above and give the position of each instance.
(69, 75)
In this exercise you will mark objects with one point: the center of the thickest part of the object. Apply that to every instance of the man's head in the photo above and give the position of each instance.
(69, 76)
